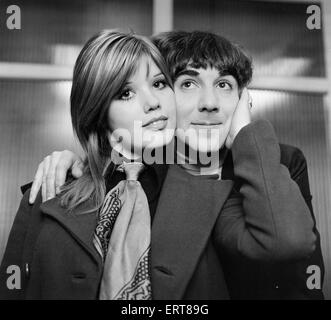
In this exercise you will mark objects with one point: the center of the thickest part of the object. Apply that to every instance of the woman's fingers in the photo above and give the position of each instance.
(77, 168)
(44, 178)
(50, 177)
(66, 161)
(52, 173)
(37, 181)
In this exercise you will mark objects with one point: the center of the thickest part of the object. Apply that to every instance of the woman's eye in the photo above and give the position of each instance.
(126, 95)
(160, 84)
(224, 85)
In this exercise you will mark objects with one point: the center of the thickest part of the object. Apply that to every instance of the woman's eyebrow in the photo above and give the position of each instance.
(157, 74)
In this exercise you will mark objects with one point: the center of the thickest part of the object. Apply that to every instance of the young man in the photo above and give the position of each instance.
(241, 227)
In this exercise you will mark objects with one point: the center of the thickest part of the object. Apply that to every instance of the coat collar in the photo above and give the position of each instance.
(182, 225)
(80, 225)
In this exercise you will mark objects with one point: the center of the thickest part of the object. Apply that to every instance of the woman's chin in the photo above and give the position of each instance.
(158, 139)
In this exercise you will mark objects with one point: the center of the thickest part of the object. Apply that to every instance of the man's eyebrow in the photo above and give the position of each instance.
(187, 72)
(224, 73)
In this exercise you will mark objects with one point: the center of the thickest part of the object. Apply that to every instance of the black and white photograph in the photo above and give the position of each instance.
(166, 150)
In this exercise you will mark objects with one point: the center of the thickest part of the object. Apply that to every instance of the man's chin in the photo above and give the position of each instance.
(207, 145)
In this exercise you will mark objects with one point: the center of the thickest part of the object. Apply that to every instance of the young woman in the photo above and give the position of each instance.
(63, 248)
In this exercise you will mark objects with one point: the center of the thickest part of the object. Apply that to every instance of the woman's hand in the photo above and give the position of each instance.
(241, 117)
(52, 172)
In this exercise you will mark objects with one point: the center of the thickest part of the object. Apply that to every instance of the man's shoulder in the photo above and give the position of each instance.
(293, 158)
(25, 208)
(290, 154)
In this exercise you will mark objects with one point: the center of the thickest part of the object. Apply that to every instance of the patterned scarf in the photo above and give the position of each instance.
(123, 237)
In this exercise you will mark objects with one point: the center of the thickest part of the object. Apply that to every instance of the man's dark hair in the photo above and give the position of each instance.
(199, 49)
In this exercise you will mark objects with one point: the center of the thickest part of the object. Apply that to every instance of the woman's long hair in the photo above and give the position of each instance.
(104, 65)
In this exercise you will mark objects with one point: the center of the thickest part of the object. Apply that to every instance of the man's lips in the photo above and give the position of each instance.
(205, 123)
(157, 123)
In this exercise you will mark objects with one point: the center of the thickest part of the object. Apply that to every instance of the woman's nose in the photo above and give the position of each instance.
(151, 101)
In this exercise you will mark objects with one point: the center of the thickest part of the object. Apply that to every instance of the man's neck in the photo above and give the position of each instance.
(212, 163)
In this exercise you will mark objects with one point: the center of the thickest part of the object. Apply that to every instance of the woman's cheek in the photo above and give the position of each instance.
(182, 118)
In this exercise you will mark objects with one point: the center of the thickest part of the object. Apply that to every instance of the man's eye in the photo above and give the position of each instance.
(126, 95)
(187, 84)
(225, 85)
(160, 84)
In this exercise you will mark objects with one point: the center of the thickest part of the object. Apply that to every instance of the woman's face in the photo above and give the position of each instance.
(143, 115)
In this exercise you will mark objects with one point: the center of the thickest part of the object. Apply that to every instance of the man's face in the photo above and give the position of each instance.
(206, 102)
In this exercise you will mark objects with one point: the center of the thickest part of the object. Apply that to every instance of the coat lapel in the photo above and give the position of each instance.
(187, 210)
(80, 225)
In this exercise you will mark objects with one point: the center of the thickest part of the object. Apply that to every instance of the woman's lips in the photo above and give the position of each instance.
(156, 123)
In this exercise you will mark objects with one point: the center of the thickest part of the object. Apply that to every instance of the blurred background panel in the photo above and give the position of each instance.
(291, 84)
(274, 33)
(299, 119)
(35, 120)
(54, 31)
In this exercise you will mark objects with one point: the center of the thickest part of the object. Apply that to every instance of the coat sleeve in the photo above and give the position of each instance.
(294, 276)
(268, 218)
(297, 165)
(15, 248)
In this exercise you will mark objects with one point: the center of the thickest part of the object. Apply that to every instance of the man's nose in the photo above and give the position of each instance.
(151, 101)
(208, 101)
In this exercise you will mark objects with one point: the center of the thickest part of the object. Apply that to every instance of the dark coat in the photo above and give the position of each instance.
(255, 217)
